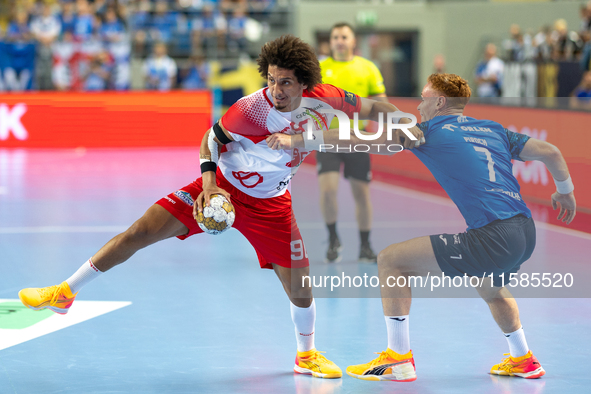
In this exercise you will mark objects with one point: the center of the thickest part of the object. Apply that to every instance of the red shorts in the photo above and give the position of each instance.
(268, 224)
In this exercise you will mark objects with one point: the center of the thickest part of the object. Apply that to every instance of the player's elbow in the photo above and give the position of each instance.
(550, 153)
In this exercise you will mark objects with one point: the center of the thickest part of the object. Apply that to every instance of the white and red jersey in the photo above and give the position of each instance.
(248, 163)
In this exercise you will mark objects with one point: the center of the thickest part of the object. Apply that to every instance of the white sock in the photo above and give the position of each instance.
(398, 336)
(85, 274)
(303, 319)
(517, 343)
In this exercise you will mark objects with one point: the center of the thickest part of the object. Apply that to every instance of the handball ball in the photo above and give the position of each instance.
(217, 217)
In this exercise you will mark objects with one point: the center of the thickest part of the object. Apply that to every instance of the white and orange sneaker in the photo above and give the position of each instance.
(388, 366)
(314, 363)
(58, 298)
(527, 367)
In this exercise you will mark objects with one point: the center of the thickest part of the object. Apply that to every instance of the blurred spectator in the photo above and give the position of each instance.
(84, 22)
(439, 64)
(586, 53)
(519, 47)
(261, 6)
(566, 44)
(581, 97)
(68, 17)
(140, 39)
(236, 31)
(229, 6)
(208, 31)
(64, 53)
(163, 23)
(543, 45)
(18, 29)
(585, 18)
(100, 7)
(489, 73)
(323, 51)
(112, 30)
(45, 29)
(159, 70)
(120, 51)
(513, 46)
(99, 73)
(197, 76)
(140, 15)
(17, 55)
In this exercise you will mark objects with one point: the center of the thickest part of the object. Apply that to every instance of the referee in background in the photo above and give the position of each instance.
(360, 76)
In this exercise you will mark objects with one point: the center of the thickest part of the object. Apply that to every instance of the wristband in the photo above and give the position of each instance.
(564, 187)
(207, 165)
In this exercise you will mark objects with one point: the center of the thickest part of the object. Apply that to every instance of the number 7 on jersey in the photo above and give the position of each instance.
(491, 164)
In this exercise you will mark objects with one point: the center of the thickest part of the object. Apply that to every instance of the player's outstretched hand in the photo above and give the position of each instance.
(278, 141)
(407, 142)
(203, 198)
(568, 206)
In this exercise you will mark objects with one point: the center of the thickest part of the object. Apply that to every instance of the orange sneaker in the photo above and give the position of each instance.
(58, 298)
(388, 366)
(314, 363)
(527, 367)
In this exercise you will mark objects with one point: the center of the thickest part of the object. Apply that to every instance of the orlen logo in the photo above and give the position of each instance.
(10, 121)
(534, 171)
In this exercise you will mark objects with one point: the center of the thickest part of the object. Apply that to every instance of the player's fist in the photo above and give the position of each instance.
(278, 141)
(407, 142)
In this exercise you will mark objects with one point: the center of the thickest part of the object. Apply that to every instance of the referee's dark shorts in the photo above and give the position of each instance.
(499, 247)
(357, 165)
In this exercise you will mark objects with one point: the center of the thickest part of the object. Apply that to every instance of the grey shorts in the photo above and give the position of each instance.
(499, 247)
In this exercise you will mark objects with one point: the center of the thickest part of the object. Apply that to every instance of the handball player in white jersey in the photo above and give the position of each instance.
(238, 161)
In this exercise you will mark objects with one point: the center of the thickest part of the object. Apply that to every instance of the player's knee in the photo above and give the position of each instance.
(490, 293)
(389, 258)
(329, 193)
(385, 259)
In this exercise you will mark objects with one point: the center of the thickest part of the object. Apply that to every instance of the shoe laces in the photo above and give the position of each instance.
(51, 291)
(383, 355)
(316, 356)
(505, 364)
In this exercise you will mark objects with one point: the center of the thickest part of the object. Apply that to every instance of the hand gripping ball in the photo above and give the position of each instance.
(217, 217)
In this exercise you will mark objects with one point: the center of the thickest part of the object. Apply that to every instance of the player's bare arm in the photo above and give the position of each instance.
(209, 178)
(376, 110)
(370, 110)
(550, 155)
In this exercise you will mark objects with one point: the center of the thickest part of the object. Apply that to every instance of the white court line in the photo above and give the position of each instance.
(448, 202)
(79, 312)
(394, 224)
(376, 184)
(62, 229)
(309, 225)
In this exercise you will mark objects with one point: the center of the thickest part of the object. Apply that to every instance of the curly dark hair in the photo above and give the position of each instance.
(291, 53)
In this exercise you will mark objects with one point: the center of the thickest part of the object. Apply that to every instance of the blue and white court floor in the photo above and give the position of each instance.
(199, 316)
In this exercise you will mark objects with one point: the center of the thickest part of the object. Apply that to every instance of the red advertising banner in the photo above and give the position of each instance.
(111, 119)
(570, 131)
